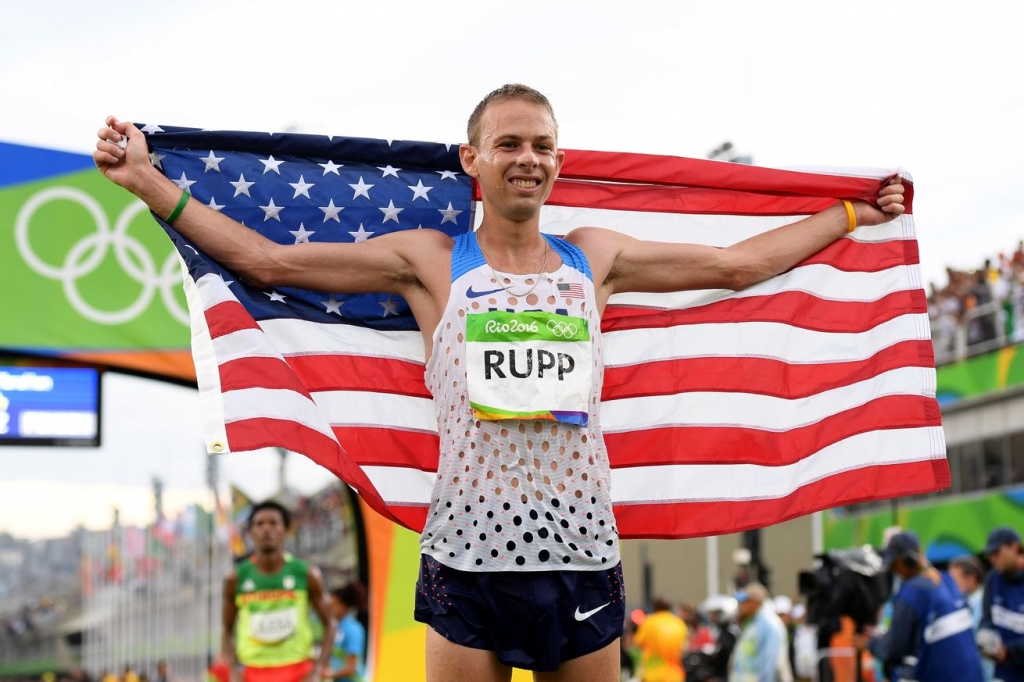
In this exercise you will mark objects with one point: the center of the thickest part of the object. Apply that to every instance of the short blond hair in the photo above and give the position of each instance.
(503, 94)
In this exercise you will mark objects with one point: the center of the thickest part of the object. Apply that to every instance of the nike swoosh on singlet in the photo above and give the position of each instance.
(477, 294)
(581, 616)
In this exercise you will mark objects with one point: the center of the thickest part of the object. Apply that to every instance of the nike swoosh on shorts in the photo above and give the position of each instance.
(581, 616)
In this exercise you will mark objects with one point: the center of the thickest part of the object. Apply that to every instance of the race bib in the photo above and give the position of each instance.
(530, 365)
(270, 627)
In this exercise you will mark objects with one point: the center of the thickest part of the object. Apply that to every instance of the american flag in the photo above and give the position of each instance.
(722, 411)
(571, 290)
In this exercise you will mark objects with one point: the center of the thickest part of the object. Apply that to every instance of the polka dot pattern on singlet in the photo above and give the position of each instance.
(516, 494)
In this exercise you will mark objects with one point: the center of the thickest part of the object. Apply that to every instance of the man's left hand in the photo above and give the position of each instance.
(888, 205)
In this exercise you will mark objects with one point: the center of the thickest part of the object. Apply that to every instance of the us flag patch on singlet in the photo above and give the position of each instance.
(570, 290)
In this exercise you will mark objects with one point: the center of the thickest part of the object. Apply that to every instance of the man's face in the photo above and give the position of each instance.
(516, 159)
(748, 608)
(1005, 559)
(966, 583)
(267, 530)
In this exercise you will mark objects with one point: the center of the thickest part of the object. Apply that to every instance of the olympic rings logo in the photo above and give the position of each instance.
(86, 254)
(563, 330)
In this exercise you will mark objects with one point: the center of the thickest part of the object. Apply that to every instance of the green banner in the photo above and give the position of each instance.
(977, 376)
(84, 267)
(947, 529)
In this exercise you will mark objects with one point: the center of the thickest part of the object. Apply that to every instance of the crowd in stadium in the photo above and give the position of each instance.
(978, 310)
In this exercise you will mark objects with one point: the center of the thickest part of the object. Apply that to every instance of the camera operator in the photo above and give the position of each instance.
(1001, 633)
(929, 639)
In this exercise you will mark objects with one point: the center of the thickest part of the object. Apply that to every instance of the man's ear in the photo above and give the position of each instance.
(559, 160)
(468, 156)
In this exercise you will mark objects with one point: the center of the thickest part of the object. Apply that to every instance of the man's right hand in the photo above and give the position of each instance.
(125, 166)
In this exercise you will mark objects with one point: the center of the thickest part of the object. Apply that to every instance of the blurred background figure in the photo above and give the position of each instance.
(1001, 634)
(969, 575)
(931, 638)
(805, 646)
(762, 652)
(349, 654)
(661, 638)
(784, 609)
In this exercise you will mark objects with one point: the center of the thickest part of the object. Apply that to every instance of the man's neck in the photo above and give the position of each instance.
(511, 247)
(269, 562)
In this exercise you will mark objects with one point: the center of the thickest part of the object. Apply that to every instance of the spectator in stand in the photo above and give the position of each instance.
(1000, 281)
(1002, 605)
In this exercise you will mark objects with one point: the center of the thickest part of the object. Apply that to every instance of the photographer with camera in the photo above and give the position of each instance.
(1001, 634)
(930, 638)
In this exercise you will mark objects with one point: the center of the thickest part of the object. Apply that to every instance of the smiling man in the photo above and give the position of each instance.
(519, 556)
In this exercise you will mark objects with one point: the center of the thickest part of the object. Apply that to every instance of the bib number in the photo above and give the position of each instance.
(530, 365)
(272, 627)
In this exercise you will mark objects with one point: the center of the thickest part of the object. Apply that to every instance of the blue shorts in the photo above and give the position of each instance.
(534, 620)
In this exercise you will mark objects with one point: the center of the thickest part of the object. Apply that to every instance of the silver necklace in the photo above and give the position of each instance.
(543, 264)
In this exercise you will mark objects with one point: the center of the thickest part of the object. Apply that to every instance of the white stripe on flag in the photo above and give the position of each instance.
(715, 482)
(753, 411)
(773, 340)
(695, 228)
(269, 403)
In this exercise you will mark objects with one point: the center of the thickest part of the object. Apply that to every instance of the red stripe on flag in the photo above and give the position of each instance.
(738, 445)
(227, 317)
(262, 432)
(682, 172)
(794, 308)
(259, 372)
(695, 519)
(762, 376)
(308, 374)
(681, 200)
(850, 255)
(337, 372)
(379, 446)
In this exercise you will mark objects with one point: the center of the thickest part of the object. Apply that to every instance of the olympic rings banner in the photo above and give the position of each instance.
(84, 274)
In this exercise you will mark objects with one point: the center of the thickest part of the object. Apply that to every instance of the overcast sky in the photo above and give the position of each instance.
(914, 85)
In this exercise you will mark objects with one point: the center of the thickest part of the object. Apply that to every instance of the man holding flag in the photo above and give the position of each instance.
(520, 563)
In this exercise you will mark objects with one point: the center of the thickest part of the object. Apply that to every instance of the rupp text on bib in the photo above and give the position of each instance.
(529, 365)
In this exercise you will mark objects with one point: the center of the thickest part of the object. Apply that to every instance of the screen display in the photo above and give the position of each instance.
(49, 406)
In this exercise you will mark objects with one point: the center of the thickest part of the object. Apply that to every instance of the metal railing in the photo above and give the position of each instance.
(982, 329)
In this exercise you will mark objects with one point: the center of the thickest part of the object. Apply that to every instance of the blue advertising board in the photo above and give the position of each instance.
(50, 406)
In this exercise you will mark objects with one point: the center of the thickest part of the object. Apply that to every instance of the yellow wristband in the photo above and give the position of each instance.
(851, 217)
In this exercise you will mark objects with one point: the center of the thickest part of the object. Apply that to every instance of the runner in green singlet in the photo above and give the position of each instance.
(267, 601)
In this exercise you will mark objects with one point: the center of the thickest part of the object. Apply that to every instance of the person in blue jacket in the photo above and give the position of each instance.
(931, 638)
(1001, 634)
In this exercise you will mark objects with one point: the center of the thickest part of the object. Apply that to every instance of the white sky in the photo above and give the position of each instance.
(919, 85)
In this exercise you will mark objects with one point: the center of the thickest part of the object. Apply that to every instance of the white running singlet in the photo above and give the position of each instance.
(518, 494)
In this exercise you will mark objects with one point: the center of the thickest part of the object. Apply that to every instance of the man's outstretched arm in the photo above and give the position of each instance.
(383, 264)
(624, 264)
